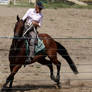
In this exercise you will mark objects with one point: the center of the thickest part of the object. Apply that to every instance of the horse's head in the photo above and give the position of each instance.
(19, 26)
(18, 32)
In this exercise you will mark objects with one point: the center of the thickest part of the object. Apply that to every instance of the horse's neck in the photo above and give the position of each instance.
(15, 50)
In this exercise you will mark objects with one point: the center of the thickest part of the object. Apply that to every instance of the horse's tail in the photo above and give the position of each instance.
(63, 52)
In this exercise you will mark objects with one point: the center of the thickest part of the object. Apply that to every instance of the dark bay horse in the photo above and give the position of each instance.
(17, 54)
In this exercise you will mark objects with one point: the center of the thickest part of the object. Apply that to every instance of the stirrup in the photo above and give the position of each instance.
(28, 61)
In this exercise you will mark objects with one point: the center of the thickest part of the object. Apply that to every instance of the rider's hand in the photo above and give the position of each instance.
(35, 23)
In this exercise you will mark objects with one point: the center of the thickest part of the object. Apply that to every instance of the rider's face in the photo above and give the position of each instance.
(38, 10)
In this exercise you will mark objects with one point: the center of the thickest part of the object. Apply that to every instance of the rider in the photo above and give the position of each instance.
(33, 16)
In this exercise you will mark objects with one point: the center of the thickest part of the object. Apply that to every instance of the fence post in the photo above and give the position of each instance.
(10, 2)
(14, 2)
(32, 1)
(29, 1)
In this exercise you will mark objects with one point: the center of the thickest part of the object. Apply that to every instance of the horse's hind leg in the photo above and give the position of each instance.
(58, 73)
(48, 63)
(54, 60)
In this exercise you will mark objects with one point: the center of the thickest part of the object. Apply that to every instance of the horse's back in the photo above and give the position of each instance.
(48, 41)
(44, 35)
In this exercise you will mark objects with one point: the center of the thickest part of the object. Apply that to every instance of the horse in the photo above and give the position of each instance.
(17, 55)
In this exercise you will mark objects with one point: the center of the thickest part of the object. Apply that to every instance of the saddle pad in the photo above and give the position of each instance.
(40, 46)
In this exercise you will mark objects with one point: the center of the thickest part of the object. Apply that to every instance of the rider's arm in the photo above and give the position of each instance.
(37, 23)
(26, 14)
(40, 22)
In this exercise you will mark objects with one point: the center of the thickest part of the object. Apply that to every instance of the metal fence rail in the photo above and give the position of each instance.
(80, 47)
(69, 38)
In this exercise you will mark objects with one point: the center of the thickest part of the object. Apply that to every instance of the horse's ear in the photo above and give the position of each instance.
(18, 18)
(25, 20)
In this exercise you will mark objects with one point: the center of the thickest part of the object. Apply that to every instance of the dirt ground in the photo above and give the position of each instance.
(59, 23)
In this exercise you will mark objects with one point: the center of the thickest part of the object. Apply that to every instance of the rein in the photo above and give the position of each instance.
(18, 39)
(30, 25)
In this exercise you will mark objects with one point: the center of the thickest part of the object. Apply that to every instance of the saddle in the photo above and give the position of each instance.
(38, 47)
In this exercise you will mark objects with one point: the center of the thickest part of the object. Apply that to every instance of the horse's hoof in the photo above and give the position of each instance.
(59, 85)
(53, 78)
(3, 90)
(6, 89)
(57, 78)
(76, 72)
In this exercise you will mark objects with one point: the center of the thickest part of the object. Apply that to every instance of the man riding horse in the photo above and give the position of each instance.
(17, 56)
(33, 20)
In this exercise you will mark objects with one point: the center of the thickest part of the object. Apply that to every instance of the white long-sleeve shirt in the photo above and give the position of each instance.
(32, 15)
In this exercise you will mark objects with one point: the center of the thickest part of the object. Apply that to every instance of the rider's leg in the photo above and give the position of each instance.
(31, 46)
(32, 43)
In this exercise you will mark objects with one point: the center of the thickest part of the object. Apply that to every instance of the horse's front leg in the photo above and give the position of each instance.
(11, 69)
(11, 76)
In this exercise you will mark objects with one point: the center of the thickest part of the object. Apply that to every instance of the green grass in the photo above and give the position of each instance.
(66, 5)
(82, 7)
(57, 5)
(54, 5)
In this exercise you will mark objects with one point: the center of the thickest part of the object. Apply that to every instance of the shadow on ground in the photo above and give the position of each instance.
(28, 87)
